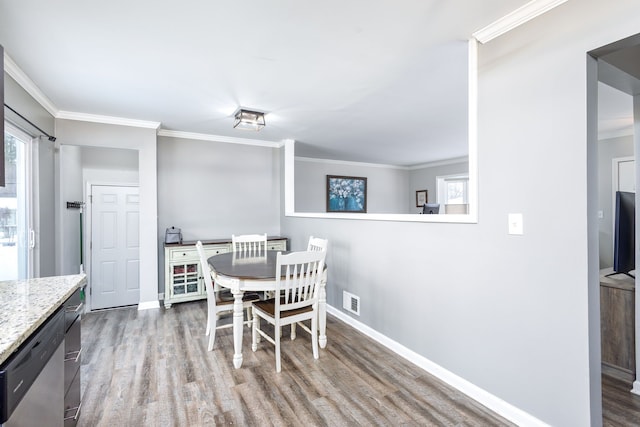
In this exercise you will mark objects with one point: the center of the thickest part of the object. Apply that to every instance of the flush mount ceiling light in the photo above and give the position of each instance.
(249, 120)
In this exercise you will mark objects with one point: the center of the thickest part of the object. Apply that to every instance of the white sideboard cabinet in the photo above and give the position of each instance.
(183, 280)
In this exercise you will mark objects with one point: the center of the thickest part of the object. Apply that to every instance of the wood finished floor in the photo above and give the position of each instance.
(620, 408)
(151, 368)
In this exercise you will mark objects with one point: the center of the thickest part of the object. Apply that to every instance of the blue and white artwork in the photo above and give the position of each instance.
(346, 194)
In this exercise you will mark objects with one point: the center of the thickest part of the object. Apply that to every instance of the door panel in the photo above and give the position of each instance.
(115, 277)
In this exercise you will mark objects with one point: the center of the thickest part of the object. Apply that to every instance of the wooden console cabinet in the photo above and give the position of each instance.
(183, 280)
(617, 326)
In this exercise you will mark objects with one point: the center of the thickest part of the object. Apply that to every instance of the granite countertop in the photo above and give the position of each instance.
(26, 304)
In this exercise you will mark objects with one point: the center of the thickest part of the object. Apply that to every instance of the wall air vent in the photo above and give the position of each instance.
(351, 303)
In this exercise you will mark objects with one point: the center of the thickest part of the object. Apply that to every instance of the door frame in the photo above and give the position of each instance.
(87, 227)
(598, 70)
(31, 248)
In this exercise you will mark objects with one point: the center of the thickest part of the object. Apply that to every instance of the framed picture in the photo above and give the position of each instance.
(346, 194)
(421, 198)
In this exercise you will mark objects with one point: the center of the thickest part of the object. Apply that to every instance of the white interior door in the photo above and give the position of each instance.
(115, 260)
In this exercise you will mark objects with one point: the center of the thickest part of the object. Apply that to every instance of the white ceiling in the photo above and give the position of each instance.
(371, 80)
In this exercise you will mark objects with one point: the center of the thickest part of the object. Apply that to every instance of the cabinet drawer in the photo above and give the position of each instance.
(217, 250)
(184, 254)
(277, 245)
(72, 351)
(72, 309)
(72, 403)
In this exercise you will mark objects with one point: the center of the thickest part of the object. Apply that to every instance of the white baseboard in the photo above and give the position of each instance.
(492, 402)
(147, 305)
(636, 387)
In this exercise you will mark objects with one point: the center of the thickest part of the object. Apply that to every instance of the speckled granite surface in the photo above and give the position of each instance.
(26, 304)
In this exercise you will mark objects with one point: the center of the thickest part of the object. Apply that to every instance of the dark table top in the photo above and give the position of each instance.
(253, 268)
(214, 241)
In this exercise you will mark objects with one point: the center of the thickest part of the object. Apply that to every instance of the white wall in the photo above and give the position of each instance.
(510, 314)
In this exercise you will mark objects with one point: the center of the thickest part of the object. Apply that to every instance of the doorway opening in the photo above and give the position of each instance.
(83, 169)
(613, 95)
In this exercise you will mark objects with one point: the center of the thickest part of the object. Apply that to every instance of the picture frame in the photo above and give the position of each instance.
(346, 194)
(421, 198)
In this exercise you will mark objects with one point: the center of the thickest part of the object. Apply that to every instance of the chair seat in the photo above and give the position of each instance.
(269, 306)
(223, 298)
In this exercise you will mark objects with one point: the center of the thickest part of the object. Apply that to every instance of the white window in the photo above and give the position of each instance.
(453, 189)
(16, 236)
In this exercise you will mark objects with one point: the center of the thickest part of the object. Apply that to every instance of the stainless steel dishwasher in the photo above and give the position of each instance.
(31, 380)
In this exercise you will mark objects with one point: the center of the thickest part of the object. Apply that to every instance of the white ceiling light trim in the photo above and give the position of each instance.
(28, 85)
(516, 18)
(95, 118)
(218, 138)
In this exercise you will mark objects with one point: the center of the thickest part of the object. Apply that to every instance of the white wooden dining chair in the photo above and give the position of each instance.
(317, 244)
(298, 278)
(249, 244)
(219, 302)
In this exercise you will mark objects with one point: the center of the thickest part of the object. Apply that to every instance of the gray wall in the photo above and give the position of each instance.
(18, 99)
(507, 313)
(425, 179)
(389, 189)
(68, 224)
(387, 186)
(45, 225)
(142, 140)
(608, 149)
(212, 190)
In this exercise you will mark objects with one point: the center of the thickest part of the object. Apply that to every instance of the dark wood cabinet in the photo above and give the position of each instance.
(617, 326)
(183, 279)
(72, 358)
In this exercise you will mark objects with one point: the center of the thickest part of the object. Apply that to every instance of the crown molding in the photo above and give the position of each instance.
(218, 138)
(514, 19)
(28, 85)
(446, 162)
(349, 163)
(95, 118)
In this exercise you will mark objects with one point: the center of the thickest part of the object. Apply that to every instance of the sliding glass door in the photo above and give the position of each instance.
(16, 235)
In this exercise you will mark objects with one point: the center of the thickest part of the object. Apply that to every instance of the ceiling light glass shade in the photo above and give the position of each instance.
(249, 120)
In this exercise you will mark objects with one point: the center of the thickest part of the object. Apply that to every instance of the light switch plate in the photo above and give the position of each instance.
(515, 223)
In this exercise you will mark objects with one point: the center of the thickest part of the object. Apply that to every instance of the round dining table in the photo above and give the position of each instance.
(243, 274)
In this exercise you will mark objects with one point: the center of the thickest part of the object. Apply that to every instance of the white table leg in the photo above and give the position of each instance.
(238, 318)
(322, 315)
